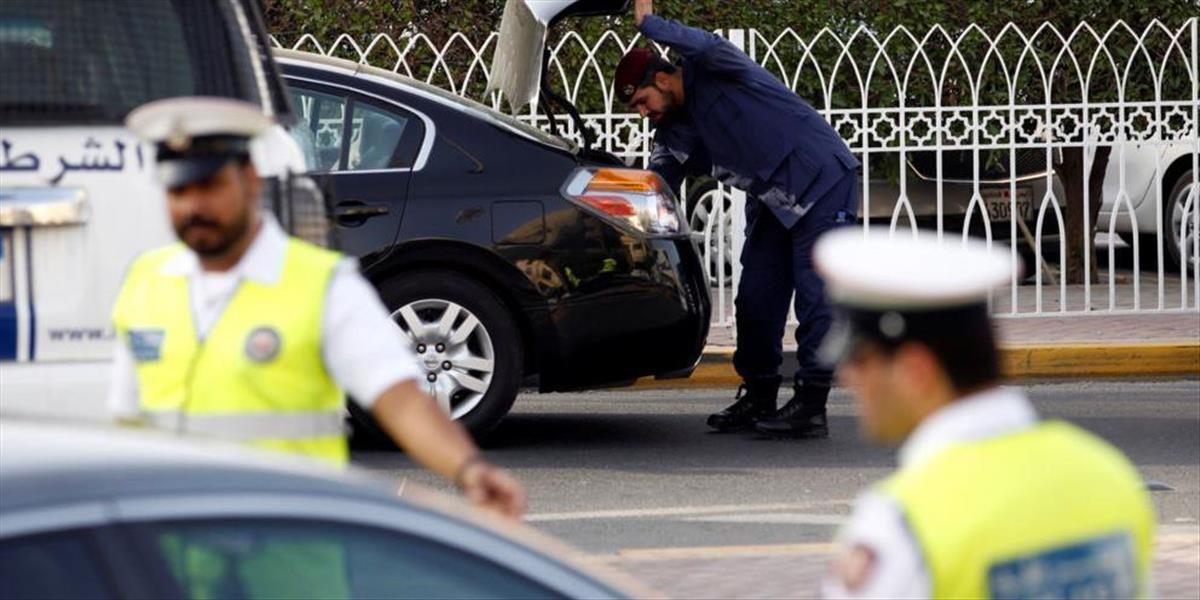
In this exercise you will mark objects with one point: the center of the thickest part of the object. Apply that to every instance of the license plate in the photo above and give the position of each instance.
(999, 203)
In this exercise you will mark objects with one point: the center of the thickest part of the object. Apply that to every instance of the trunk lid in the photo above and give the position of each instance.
(520, 58)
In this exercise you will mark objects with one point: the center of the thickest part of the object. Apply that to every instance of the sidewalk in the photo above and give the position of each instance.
(1112, 345)
(795, 571)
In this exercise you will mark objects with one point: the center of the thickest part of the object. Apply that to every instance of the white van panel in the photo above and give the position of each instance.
(70, 390)
(66, 276)
(60, 281)
(78, 200)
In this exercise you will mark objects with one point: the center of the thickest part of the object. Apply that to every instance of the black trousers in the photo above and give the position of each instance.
(777, 267)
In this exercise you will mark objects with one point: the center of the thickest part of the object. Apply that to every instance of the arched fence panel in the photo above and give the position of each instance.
(988, 134)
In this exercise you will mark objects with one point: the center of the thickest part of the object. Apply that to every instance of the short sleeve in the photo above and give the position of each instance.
(364, 350)
(877, 556)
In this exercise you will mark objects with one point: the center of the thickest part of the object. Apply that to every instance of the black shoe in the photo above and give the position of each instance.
(754, 400)
(803, 417)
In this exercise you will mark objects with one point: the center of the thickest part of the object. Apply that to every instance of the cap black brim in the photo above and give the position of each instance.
(185, 171)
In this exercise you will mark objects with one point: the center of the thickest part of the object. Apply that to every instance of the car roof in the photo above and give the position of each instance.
(424, 90)
(46, 463)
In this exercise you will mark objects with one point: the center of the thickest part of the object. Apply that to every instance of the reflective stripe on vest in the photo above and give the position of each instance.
(258, 376)
(1050, 511)
(250, 426)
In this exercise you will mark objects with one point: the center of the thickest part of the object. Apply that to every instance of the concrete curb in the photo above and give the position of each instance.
(1019, 361)
(1180, 357)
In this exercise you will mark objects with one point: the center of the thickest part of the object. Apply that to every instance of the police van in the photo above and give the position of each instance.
(77, 195)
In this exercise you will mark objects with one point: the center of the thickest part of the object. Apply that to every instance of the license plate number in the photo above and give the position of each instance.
(1000, 206)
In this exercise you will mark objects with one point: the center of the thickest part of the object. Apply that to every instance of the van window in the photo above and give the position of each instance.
(92, 61)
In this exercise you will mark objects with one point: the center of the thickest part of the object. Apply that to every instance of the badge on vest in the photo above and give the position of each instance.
(262, 344)
(1096, 568)
(146, 344)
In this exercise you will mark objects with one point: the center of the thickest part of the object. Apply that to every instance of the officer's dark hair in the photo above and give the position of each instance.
(961, 340)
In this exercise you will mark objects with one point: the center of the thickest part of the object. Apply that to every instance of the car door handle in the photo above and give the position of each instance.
(359, 211)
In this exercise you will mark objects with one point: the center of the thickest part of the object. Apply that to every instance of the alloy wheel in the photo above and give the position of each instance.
(454, 351)
(715, 225)
(1183, 226)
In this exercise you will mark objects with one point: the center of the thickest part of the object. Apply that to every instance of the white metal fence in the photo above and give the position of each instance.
(957, 132)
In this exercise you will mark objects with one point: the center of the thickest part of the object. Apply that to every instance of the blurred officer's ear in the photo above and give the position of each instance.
(916, 368)
(250, 180)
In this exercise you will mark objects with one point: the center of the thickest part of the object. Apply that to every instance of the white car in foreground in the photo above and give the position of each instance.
(91, 512)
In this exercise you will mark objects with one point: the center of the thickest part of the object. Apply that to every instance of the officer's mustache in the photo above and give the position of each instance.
(194, 222)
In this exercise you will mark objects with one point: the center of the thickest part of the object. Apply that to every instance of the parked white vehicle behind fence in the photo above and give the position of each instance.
(1140, 219)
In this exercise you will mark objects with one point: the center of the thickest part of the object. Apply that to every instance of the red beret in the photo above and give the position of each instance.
(631, 73)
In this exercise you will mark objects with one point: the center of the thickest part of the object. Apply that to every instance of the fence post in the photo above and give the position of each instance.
(737, 37)
(1195, 195)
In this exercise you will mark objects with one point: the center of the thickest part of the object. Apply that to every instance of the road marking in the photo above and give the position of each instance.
(725, 551)
(671, 511)
(793, 518)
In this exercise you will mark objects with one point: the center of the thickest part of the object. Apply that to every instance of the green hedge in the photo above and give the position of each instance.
(362, 20)
(288, 19)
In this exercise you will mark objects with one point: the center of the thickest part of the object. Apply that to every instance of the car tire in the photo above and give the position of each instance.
(1175, 221)
(481, 334)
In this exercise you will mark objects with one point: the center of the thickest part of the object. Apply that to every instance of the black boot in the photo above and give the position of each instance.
(755, 400)
(802, 417)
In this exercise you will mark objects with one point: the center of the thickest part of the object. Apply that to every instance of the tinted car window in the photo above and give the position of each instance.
(376, 136)
(60, 565)
(251, 558)
(380, 138)
(321, 120)
(92, 61)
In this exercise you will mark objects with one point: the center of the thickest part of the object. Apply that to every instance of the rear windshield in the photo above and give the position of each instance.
(92, 61)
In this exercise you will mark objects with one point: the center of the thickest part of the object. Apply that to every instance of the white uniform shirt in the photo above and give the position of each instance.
(364, 351)
(879, 557)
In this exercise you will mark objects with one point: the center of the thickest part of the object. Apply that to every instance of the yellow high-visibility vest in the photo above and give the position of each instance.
(1050, 511)
(258, 377)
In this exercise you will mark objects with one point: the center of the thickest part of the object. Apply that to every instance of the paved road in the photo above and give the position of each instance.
(635, 479)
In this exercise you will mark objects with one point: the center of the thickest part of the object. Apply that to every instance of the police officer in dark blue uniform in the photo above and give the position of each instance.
(719, 112)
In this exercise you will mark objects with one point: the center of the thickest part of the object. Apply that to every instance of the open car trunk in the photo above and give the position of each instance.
(519, 64)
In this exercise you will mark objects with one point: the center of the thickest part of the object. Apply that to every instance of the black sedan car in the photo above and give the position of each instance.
(507, 255)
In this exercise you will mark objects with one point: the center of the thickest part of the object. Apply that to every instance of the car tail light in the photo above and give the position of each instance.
(628, 197)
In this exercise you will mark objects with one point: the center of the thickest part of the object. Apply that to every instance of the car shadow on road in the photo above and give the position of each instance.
(668, 443)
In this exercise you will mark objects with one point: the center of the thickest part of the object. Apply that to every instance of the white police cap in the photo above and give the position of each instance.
(195, 136)
(875, 270)
(888, 290)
